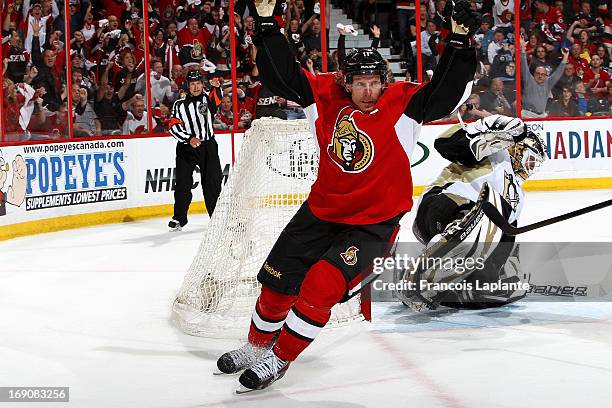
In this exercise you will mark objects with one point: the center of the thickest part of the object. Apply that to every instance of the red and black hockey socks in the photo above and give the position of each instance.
(323, 287)
(270, 312)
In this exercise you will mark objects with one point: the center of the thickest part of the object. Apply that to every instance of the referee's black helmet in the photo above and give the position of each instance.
(193, 76)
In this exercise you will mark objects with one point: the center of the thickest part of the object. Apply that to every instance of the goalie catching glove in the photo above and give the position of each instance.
(462, 21)
(493, 134)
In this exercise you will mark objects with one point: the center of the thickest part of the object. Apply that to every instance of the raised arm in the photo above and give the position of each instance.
(525, 74)
(6, 24)
(277, 66)
(452, 80)
(450, 85)
(214, 96)
(556, 75)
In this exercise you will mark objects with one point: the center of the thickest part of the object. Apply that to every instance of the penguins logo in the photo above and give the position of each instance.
(350, 255)
(351, 149)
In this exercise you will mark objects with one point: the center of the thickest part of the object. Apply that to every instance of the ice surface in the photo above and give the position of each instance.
(90, 309)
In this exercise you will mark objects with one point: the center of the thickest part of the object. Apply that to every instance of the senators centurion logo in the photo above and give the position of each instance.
(350, 255)
(350, 148)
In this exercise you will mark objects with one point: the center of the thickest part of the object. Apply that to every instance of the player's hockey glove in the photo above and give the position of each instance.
(493, 134)
(265, 8)
(462, 22)
(266, 23)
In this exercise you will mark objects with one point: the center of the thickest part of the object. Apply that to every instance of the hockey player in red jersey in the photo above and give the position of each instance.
(366, 132)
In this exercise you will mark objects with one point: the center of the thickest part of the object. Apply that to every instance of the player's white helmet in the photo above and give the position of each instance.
(528, 155)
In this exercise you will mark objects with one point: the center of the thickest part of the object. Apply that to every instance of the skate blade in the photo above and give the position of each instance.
(244, 390)
(221, 373)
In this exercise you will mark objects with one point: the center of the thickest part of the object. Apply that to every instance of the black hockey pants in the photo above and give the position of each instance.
(206, 157)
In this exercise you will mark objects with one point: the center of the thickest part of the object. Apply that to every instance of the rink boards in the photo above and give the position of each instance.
(113, 180)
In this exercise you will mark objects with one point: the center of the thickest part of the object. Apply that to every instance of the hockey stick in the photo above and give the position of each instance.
(508, 229)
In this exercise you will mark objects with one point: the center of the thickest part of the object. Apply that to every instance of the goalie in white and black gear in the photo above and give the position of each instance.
(490, 160)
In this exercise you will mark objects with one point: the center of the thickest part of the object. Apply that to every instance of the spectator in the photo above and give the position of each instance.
(484, 37)
(552, 24)
(224, 118)
(107, 106)
(192, 34)
(496, 100)
(136, 121)
(246, 104)
(428, 50)
(603, 105)
(163, 91)
(49, 74)
(18, 104)
(565, 105)
(85, 120)
(503, 13)
(498, 43)
(603, 53)
(162, 119)
(567, 80)
(540, 59)
(405, 12)
(33, 16)
(580, 64)
(312, 36)
(54, 125)
(582, 99)
(537, 87)
(531, 46)
(597, 78)
(473, 111)
(584, 39)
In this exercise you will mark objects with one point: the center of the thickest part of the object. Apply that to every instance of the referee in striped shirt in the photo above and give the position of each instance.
(192, 124)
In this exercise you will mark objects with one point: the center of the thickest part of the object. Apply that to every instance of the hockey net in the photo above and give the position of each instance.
(274, 170)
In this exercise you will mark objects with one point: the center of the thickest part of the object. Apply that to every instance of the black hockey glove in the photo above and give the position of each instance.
(266, 23)
(462, 21)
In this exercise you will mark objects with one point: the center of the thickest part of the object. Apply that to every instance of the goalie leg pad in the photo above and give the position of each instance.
(473, 236)
(436, 211)
(323, 287)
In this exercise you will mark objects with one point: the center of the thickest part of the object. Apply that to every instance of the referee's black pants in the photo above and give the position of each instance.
(206, 157)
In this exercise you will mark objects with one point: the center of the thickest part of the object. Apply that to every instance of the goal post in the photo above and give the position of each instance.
(272, 176)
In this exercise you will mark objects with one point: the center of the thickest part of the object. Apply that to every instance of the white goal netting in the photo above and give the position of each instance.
(274, 170)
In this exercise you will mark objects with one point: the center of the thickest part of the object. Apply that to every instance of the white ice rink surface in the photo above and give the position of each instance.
(90, 308)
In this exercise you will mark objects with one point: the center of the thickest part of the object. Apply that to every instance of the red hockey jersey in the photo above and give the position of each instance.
(364, 168)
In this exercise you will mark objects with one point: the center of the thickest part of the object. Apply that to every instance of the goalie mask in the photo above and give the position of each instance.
(363, 62)
(528, 155)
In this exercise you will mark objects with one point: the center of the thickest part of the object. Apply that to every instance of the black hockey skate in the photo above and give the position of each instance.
(267, 370)
(240, 359)
(175, 225)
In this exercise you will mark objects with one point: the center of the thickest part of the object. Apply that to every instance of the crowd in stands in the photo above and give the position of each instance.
(552, 84)
(564, 49)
